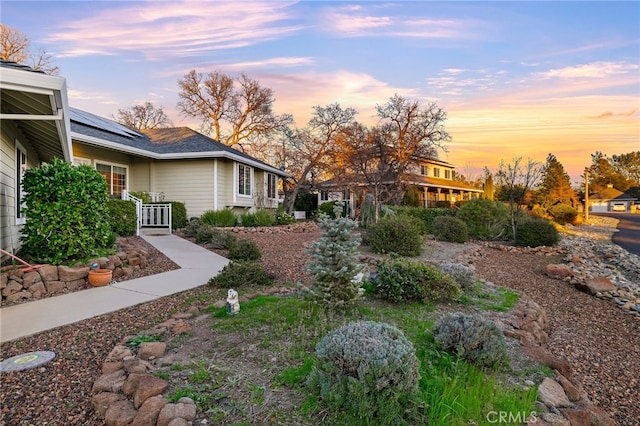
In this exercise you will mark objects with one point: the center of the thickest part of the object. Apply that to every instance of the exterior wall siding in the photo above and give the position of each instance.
(188, 181)
(10, 232)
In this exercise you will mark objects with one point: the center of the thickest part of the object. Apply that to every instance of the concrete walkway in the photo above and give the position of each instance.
(197, 265)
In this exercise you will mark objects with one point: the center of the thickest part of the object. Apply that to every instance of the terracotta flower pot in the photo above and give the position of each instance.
(100, 277)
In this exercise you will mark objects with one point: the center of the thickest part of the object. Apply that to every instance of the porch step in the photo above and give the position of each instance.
(155, 231)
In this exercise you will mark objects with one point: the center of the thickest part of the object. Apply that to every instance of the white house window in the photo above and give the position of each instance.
(116, 177)
(324, 195)
(447, 174)
(423, 170)
(244, 180)
(21, 168)
(436, 172)
(271, 186)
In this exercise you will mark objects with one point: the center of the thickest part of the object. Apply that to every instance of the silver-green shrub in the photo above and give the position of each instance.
(463, 274)
(333, 262)
(473, 338)
(367, 370)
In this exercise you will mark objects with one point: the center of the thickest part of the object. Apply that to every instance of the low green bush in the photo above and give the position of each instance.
(328, 208)
(563, 213)
(221, 218)
(535, 232)
(283, 218)
(450, 229)
(425, 215)
(407, 281)
(473, 338)
(238, 274)
(248, 220)
(400, 235)
(123, 217)
(368, 372)
(244, 250)
(206, 234)
(264, 217)
(485, 219)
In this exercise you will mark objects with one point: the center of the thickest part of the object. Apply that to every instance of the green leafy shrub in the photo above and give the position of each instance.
(123, 217)
(239, 274)
(283, 218)
(471, 337)
(406, 281)
(368, 371)
(425, 215)
(144, 196)
(221, 218)
(333, 262)
(563, 213)
(485, 219)
(449, 228)
(534, 232)
(399, 235)
(178, 215)
(464, 275)
(443, 204)
(411, 197)
(328, 208)
(244, 250)
(67, 213)
(265, 218)
(206, 234)
(248, 220)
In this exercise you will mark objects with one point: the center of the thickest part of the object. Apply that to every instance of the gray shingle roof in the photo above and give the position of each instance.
(174, 142)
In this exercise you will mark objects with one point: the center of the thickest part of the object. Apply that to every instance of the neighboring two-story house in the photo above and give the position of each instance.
(433, 179)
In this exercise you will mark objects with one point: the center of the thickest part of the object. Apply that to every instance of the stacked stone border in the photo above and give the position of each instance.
(562, 400)
(127, 392)
(26, 284)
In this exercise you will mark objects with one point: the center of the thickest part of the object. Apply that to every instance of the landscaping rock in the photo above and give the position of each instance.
(151, 350)
(147, 387)
(596, 285)
(66, 273)
(558, 271)
(111, 382)
(101, 401)
(552, 395)
(120, 413)
(148, 413)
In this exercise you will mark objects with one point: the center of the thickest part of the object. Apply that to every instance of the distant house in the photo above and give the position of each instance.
(176, 164)
(610, 199)
(433, 179)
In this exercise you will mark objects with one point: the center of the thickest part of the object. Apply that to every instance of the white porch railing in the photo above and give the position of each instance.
(150, 215)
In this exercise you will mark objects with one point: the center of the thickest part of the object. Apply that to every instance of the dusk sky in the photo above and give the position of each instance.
(516, 78)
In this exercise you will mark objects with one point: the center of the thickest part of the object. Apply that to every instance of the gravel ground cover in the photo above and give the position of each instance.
(601, 342)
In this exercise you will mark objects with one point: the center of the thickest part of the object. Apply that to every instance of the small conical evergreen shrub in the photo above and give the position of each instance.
(333, 262)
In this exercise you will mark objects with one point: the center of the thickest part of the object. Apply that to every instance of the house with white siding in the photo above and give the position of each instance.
(34, 129)
(175, 164)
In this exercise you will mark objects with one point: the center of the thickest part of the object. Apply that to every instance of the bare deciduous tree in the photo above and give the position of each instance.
(16, 47)
(515, 180)
(309, 147)
(145, 116)
(235, 116)
(409, 132)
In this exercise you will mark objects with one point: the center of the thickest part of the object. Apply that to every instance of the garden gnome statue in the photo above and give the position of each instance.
(233, 305)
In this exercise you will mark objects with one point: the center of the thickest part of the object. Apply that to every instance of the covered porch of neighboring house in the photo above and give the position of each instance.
(153, 219)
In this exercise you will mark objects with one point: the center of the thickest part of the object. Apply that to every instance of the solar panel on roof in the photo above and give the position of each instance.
(92, 120)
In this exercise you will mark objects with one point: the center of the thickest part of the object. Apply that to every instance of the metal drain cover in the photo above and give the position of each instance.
(25, 361)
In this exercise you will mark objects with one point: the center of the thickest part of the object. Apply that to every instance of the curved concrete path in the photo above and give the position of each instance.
(197, 265)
